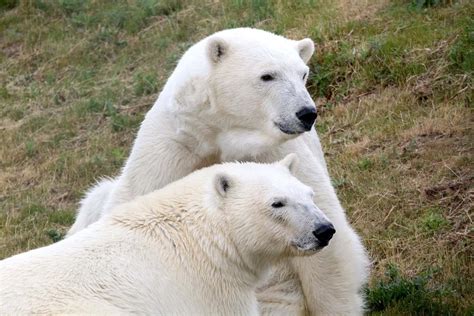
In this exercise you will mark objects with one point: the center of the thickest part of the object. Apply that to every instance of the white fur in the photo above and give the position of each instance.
(195, 247)
(93, 200)
(215, 108)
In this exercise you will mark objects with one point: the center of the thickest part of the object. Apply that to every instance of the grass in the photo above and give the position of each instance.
(397, 293)
(393, 80)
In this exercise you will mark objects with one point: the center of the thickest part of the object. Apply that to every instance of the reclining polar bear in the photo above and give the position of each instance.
(240, 95)
(195, 247)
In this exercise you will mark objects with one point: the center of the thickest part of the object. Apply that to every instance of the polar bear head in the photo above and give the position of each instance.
(257, 83)
(268, 212)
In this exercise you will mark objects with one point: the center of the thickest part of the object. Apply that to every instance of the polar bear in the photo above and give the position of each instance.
(240, 94)
(198, 246)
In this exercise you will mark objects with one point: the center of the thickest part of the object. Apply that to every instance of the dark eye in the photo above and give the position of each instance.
(267, 77)
(278, 204)
(304, 76)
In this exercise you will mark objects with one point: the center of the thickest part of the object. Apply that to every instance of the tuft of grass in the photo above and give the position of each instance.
(94, 105)
(337, 183)
(462, 51)
(30, 148)
(55, 235)
(32, 209)
(412, 295)
(434, 221)
(8, 4)
(145, 84)
(365, 163)
(120, 122)
(423, 4)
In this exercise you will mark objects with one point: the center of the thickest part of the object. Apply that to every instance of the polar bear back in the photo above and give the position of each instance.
(107, 268)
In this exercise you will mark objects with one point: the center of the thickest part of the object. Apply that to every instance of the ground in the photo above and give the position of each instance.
(392, 79)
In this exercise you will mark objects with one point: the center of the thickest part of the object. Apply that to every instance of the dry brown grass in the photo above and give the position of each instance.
(353, 10)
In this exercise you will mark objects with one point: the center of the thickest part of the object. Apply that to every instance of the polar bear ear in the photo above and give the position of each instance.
(217, 48)
(290, 162)
(222, 184)
(305, 49)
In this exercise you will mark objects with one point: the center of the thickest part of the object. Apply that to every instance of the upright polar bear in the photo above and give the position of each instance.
(240, 94)
(198, 246)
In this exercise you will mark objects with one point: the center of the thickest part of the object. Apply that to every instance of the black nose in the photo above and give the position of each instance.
(324, 233)
(307, 116)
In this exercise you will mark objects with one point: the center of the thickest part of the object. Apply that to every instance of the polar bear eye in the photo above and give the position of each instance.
(267, 77)
(278, 204)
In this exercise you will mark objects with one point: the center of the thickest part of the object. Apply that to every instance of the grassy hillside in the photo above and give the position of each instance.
(393, 80)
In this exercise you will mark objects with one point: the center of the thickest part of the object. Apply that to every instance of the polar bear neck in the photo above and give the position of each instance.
(204, 128)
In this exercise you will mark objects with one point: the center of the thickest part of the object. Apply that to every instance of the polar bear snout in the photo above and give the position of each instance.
(298, 117)
(315, 239)
(315, 230)
(324, 232)
(307, 117)
(298, 122)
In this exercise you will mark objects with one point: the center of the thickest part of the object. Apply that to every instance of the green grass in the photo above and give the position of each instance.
(409, 296)
(393, 81)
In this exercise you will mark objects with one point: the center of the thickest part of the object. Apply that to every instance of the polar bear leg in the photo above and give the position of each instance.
(312, 141)
(331, 281)
(281, 293)
(92, 205)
